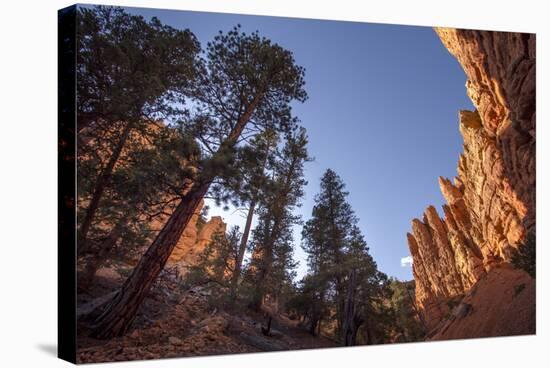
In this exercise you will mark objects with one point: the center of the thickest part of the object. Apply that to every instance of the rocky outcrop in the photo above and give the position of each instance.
(491, 203)
(196, 236)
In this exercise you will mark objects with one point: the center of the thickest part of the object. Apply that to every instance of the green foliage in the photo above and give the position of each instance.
(525, 258)
(167, 159)
(335, 248)
(245, 87)
(253, 163)
(327, 235)
(131, 73)
(301, 298)
(129, 68)
(216, 263)
(160, 121)
(408, 325)
(272, 266)
(242, 69)
(157, 115)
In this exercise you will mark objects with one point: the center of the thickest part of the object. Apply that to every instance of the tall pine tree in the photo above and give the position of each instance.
(272, 264)
(343, 281)
(254, 162)
(245, 86)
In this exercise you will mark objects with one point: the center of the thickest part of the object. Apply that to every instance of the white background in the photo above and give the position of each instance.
(28, 182)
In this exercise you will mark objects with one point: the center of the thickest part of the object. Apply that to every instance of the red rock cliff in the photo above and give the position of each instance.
(491, 203)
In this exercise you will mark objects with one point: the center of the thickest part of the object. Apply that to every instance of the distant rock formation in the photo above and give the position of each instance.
(194, 240)
(491, 203)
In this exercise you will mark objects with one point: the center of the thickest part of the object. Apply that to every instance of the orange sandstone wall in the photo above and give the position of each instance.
(491, 202)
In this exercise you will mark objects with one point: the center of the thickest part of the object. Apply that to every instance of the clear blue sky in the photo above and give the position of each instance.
(382, 112)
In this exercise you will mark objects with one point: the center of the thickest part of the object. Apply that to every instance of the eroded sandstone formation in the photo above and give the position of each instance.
(491, 202)
(195, 238)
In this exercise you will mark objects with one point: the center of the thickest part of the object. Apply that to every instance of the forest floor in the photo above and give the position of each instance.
(174, 322)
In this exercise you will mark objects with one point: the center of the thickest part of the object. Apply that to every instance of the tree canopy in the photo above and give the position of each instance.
(164, 124)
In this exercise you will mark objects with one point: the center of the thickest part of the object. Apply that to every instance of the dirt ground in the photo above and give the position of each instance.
(503, 303)
(177, 323)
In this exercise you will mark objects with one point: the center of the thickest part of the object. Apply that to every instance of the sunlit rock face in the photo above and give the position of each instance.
(194, 240)
(491, 203)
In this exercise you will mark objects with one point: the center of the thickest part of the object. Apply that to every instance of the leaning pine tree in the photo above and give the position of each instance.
(245, 86)
(131, 202)
(130, 72)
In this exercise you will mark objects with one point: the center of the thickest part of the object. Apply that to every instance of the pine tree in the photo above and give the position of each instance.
(131, 203)
(325, 240)
(217, 262)
(409, 323)
(272, 264)
(367, 312)
(130, 72)
(245, 86)
(254, 161)
(342, 277)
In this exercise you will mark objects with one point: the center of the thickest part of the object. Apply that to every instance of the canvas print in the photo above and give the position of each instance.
(251, 183)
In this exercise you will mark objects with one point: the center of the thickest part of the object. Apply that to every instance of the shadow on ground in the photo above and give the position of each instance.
(50, 349)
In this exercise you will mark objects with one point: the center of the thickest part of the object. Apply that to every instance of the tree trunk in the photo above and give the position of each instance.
(368, 332)
(260, 290)
(246, 233)
(242, 250)
(265, 269)
(100, 185)
(257, 296)
(349, 328)
(313, 325)
(267, 330)
(99, 257)
(121, 311)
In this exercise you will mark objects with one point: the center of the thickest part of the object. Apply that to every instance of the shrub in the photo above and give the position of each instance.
(525, 257)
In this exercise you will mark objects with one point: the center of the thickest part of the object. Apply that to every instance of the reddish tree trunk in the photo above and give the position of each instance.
(120, 312)
(265, 270)
(313, 325)
(267, 330)
(122, 309)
